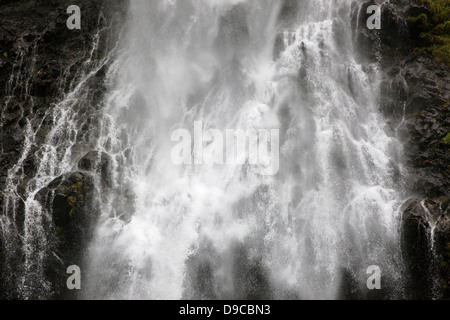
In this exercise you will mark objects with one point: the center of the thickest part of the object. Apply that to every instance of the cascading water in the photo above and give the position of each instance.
(204, 231)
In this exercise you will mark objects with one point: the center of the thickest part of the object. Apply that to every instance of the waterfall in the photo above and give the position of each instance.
(225, 231)
(309, 230)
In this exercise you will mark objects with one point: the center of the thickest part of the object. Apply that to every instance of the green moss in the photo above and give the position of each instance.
(71, 201)
(57, 229)
(446, 139)
(81, 198)
(440, 9)
(76, 186)
(436, 28)
(443, 28)
(76, 197)
(441, 52)
(422, 20)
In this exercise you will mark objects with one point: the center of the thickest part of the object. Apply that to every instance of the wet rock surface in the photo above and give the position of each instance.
(425, 235)
(99, 162)
(415, 94)
(41, 61)
(71, 201)
(37, 52)
(415, 99)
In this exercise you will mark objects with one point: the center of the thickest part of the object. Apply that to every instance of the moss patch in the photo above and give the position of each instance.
(446, 139)
(75, 187)
(71, 201)
(435, 28)
(58, 230)
(76, 199)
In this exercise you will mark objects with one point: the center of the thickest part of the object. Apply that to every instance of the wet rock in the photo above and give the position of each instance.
(427, 153)
(70, 200)
(2, 254)
(416, 251)
(425, 247)
(249, 278)
(99, 162)
(279, 46)
(40, 62)
(415, 97)
(426, 87)
(442, 242)
(393, 33)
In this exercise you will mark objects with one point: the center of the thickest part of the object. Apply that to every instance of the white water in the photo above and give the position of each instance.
(220, 231)
(170, 232)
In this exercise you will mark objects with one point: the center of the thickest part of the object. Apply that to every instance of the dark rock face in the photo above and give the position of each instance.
(2, 254)
(99, 162)
(415, 99)
(41, 61)
(36, 45)
(71, 201)
(416, 250)
(250, 279)
(425, 244)
(427, 152)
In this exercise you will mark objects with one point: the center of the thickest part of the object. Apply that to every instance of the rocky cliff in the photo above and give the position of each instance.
(41, 62)
(415, 100)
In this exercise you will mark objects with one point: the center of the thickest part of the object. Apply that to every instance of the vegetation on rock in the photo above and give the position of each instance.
(446, 139)
(435, 27)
